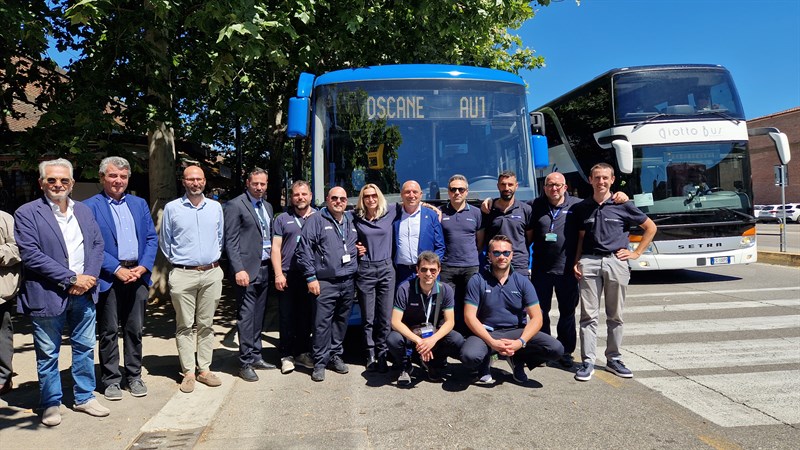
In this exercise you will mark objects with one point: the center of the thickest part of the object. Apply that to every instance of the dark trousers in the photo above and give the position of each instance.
(295, 316)
(251, 306)
(121, 305)
(404, 273)
(541, 348)
(6, 341)
(566, 288)
(457, 278)
(375, 289)
(331, 311)
(448, 346)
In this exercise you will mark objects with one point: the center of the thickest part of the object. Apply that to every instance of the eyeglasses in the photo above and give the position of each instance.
(338, 199)
(554, 185)
(460, 190)
(432, 270)
(497, 253)
(64, 181)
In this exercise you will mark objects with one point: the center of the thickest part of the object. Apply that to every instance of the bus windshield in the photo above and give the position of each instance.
(388, 131)
(679, 92)
(691, 183)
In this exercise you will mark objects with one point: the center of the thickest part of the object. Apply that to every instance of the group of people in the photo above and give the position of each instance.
(414, 269)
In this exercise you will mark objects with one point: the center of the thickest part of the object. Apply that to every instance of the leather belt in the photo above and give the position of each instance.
(264, 262)
(198, 268)
(129, 263)
(603, 254)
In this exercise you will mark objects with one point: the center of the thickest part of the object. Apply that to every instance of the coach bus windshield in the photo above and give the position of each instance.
(691, 183)
(386, 132)
(675, 93)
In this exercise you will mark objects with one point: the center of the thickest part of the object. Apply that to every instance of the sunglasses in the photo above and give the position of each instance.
(432, 270)
(63, 181)
(497, 253)
(370, 196)
(460, 190)
(335, 198)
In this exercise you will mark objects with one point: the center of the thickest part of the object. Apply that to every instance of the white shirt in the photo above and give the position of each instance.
(73, 237)
(408, 237)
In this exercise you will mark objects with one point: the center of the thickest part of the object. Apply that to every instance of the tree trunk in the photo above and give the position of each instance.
(162, 176)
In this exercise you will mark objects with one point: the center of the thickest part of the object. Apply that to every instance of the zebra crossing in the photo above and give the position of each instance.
(731, 356)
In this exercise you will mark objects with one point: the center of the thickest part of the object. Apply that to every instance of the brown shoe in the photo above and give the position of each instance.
(209, 378)
(187, 385)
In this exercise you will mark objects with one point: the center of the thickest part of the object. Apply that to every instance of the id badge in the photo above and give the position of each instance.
(424, 331)
(345, 258)
(551, 237)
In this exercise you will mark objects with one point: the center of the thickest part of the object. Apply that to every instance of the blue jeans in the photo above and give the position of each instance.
(80, 317)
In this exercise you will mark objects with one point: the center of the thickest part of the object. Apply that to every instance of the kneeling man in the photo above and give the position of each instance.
(423, 320)
(502, 310)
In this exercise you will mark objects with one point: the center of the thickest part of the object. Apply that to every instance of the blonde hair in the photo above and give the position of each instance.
(361, 209)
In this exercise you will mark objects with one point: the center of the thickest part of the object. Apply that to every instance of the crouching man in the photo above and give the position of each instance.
(502, 310)
(423, 320)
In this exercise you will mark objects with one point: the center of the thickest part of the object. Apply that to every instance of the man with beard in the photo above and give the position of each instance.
(294, 300)
(512, 219)
(191, 239)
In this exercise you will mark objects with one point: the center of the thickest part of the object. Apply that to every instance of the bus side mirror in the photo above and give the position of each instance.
(297, 122)
(780, 140)
(782, 146)
(541, 158)
(537, 123)
(624, 151)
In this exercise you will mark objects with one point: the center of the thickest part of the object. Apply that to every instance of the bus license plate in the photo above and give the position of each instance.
(720, 260)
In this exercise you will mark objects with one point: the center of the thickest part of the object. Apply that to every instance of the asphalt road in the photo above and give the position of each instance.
(715, 353)
(768, 237)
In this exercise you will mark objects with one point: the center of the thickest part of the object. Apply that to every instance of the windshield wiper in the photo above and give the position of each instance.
(738, 213)
(721, 114)
(650, 119)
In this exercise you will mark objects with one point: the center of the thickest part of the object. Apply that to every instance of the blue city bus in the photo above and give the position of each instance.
(389, 124)
(678, 140)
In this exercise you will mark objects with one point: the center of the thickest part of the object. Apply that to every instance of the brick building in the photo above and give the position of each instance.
(763, 158)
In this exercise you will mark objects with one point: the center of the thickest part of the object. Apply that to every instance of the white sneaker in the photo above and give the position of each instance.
(93, 408)
(287, 364)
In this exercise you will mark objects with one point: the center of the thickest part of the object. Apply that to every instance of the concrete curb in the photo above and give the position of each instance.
(779, 258)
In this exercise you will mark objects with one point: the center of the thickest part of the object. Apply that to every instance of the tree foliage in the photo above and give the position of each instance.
(207, 67)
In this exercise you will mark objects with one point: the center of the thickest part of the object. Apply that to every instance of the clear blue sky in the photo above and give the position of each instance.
(758, 41)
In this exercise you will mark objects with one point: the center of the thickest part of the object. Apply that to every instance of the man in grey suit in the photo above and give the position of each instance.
(248, 243)
(62, 251)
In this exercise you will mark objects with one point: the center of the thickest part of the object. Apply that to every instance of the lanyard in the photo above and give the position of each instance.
(342, 231)
(430, 303)
(553, 216)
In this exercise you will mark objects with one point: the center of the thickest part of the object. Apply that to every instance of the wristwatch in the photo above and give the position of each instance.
(74, 280)
(523, 342)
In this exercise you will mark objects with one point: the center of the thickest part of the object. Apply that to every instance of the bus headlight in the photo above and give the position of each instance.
(651, 250)
(748, 238)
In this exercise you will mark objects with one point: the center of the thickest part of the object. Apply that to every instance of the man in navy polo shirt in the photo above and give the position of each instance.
(602, 266)
(423, 321)
(512, 219)
(463, 237)
(503, 313)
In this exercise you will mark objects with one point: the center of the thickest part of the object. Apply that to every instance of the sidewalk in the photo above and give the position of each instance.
(20, 425)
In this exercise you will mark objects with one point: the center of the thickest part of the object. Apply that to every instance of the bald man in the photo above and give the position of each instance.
(191, 239)
(326, 254)
(416, 230)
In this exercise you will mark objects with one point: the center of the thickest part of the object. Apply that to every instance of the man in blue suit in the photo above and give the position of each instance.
(416, 229)
(62, 250)
(131, 243)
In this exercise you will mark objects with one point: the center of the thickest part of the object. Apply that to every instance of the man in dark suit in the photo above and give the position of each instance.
(130, 250)
(62, 250)
(248, 243)
(416, 229)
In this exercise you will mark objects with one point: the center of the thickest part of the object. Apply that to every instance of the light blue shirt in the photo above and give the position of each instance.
(264, 221)
(408, 237)
(192, 235)
(127, 242)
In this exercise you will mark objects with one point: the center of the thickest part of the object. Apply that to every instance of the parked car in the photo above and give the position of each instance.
(768, 213)
(774, 213)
